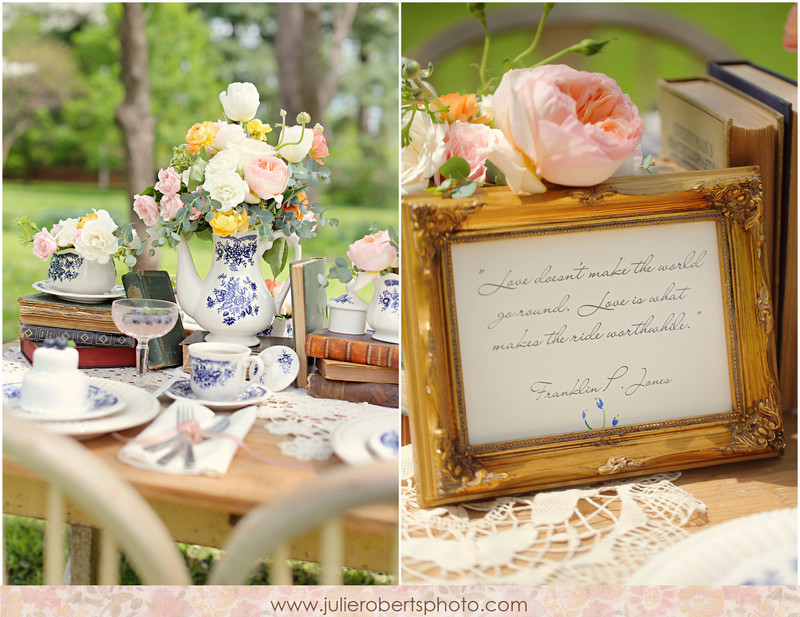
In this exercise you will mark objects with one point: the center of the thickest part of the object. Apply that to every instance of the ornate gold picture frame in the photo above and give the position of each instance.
(582, 334)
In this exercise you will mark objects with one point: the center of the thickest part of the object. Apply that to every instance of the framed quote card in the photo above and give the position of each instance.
(582, 334)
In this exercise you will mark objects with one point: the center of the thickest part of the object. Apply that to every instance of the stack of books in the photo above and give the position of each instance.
(99, 342)
(743, 114)
(353, 368)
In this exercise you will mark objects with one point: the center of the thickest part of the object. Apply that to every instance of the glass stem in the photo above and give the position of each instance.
(141, 356)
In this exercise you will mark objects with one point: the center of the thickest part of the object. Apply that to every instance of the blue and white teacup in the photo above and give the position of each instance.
(218, 370)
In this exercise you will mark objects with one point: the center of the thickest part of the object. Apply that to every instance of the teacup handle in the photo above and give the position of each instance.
(256, 368)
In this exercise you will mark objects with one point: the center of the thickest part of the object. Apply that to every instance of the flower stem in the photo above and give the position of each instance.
(548, 6)
(442, 108)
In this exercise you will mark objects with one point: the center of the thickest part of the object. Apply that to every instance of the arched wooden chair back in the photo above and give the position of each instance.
(129, 523)
(319, 503)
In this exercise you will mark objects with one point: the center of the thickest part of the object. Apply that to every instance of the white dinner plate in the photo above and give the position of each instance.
(140, 407)
(117, 291)
(350, 441)
(100, 402)
(252, 395)
(760, 549)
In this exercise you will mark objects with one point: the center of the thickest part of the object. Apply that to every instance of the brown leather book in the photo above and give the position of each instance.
(356, 348)
(350, 371)
(383, 394)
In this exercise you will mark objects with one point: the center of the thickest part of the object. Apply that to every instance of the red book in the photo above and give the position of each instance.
(90, 356)
(356, 348)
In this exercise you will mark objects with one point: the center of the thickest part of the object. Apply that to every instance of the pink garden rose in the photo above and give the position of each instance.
(470, 142)
(147, 209)
(319, 147)
(169, 182)
(170, 204)
(790, 29)
(267, 176)
(44, 244)
(567, 126)
(372, 253)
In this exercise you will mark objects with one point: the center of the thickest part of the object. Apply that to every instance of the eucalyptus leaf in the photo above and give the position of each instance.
(455, 168)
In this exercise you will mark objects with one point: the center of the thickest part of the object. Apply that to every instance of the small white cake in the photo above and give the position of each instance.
(55, 384)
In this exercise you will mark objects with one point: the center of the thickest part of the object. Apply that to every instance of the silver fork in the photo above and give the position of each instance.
(183, 414)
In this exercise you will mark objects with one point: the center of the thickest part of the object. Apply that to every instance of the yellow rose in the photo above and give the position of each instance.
(85, 219)
(227, 223)
(258, 130)
(200, 136)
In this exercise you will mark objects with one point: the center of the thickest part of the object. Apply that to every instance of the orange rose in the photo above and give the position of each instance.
(464, 108)
(302, 199)
(200, 136)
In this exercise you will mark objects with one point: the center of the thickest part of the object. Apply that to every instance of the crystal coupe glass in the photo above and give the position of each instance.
(144, 319)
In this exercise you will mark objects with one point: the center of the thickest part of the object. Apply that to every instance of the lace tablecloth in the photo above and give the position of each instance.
(307, 422)
(592, 535)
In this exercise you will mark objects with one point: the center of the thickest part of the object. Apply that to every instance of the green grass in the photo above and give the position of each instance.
(24, 557)
(44, 203)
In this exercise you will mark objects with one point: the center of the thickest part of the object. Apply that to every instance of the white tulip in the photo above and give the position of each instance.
(424, 155)
(240, 101)
(295, 152)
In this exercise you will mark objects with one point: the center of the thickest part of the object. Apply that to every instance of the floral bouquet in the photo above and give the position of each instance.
(227, 177)
(371, 256)
(546, 123)
(93, 237)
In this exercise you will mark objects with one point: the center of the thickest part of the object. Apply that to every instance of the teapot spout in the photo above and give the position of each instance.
(188, 283)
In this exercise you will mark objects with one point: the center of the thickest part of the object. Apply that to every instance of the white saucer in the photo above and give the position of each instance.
(385, 443)
(252, 395)
(99, 403)
(282, 372)
(139, 407)
(117, 291)
(350, 441)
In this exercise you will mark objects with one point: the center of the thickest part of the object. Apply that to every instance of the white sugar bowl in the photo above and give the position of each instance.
(347, 314)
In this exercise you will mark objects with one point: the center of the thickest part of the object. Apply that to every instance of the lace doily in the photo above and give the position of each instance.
(593, 535)
(308, 421)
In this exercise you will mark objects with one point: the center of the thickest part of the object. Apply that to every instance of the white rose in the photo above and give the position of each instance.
(227, 160)
(227, 187)
(249, 149)
(424, 155)
(97, 241)
(65, 232)
(226, 135)
(240, 101)
(295, 152)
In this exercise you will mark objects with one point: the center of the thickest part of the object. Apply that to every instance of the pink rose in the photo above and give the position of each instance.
(566, 126)
(790, 28)
(319, 147)
(147, 209)
(372, 253)
(44, 244)
(169, 181)
(470, 142)
(267, 176)
(170, 204)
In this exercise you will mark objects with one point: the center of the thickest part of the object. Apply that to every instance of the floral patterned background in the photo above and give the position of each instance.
(402, 600)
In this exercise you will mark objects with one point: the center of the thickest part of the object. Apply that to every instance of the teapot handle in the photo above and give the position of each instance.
(298, 255)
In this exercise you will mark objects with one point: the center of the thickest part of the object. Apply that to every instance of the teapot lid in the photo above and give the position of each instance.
(348, 301)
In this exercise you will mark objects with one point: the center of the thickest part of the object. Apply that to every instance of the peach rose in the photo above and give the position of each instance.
(169, 182)
(319, 147)
(147, 209)
(468, 141)
(372, 253)
(463, 108)
(790, 28)
(201, 135)
(569, 127)
(170, 204)
(267, 176)
(44, 244)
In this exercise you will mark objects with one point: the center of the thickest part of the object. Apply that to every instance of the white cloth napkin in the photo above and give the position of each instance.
(212, 456)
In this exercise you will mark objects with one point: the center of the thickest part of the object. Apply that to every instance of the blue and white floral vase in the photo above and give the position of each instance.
(347, 314)
(383, 314)
(232, 302)
(70, 272)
